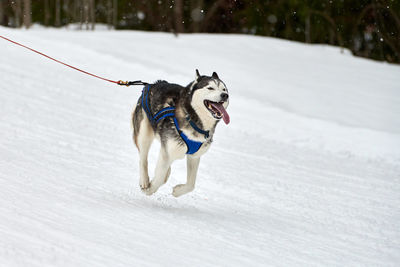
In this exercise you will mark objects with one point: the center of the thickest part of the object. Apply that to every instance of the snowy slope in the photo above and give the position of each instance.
(306, 174)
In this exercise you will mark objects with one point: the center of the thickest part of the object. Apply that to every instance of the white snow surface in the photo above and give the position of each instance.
(306, 174)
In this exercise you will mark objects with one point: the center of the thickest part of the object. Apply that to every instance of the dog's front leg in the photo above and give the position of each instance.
(162, 170)
(192, 167)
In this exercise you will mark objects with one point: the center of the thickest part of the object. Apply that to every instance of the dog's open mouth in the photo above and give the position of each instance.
(217, 110)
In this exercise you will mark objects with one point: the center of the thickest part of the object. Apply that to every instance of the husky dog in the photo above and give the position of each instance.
(184, 120)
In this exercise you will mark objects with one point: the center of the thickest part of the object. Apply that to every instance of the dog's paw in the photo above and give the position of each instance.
(144, 183)
(149, 190)
(144, 186)
(181, 189)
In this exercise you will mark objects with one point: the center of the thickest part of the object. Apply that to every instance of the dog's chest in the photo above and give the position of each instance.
(177, 149)
(203, 149)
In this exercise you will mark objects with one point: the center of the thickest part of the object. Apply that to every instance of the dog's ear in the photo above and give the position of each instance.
(215, 75)
(197, 74)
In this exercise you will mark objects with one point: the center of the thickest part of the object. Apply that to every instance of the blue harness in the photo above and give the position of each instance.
(192, 146)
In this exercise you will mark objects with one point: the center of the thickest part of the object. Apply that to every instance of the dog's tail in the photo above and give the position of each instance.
(135, 122)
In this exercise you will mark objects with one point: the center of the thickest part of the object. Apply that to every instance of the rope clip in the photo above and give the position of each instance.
(120, 82)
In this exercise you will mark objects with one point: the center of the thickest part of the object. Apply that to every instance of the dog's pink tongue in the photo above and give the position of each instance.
(222, 110)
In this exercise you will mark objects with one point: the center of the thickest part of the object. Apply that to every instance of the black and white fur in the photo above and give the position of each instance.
(188, 101)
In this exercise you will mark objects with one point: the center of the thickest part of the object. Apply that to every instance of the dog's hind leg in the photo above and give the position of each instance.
(144, 137)
(192, 167)
(168, 174)
(162, 172)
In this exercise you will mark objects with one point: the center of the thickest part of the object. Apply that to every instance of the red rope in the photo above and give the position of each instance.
(88, 73)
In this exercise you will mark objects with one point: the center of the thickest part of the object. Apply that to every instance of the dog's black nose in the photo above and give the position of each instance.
(224, 96)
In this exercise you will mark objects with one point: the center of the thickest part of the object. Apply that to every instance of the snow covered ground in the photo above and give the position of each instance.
(306, 174)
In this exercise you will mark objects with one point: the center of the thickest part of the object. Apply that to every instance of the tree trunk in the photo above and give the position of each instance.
(383, 34)
(331, 30)
(46, 12)
(307, 28)
(178, 12)
(58, 13)
(150, 16)
(86, 13)
(16, 6)
(79, 12)
(27, 13)
(115, 13)
(109, 14)
(212, 11)
(198, 12)
(92, 14)
(288, 31)
(331, 23)
(67, 12)
(331, 36)
(1, 13)
(168, 18)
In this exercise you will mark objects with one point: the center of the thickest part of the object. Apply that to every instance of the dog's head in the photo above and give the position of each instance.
(210, 96)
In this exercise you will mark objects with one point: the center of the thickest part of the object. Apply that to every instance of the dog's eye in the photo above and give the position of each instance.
(210, 88)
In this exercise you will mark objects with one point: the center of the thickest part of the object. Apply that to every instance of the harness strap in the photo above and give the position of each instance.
(194, 126)
(145, 103)
(165, 116)
(154, 119)
(164, 113)
(192, 146)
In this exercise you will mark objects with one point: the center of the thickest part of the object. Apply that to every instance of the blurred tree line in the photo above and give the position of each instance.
(369, 28)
